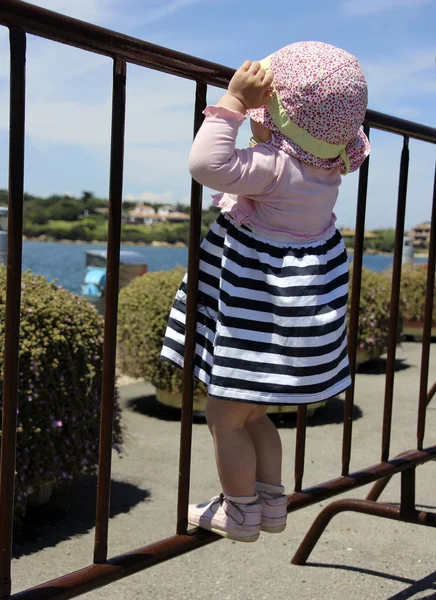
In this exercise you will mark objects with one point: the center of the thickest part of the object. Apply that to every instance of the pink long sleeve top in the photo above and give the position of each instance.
(274, 194)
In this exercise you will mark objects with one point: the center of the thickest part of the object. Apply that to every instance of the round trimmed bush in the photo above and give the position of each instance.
(60, 376)
(145, 305)
(413, 289)
(144, 309)
(374, 313)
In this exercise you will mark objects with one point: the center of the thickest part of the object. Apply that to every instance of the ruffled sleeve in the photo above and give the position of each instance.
(215, 162)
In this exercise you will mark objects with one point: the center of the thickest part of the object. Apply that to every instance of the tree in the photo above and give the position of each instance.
(86, 196)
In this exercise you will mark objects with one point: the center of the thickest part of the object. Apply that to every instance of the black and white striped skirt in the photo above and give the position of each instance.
(271, 318)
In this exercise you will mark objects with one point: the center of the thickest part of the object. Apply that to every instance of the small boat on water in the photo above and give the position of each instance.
(132, 264)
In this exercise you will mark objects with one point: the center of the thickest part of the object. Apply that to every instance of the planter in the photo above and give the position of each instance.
(41, 495)
(175, 401)
(363, 356)
(416, 328)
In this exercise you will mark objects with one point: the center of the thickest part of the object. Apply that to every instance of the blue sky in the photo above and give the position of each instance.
(69, 92)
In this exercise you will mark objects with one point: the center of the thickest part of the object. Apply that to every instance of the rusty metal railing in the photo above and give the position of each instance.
(22, 18)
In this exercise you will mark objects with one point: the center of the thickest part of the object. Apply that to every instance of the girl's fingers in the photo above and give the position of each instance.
(255, 67)
(261, 74)
(268, 79)
(246, 65)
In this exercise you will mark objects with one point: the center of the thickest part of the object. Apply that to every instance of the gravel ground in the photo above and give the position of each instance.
(357, 558)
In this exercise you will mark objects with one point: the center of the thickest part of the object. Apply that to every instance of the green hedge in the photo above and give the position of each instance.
(374, 312)
(144, 309)
(413, 288)
(60, 376)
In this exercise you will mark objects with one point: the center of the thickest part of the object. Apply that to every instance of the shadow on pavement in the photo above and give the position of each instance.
(378, 366)
(426, 584)
(331, 413)
(150, 407)
(71, 512)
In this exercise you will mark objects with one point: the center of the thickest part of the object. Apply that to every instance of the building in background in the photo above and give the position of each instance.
(420, 235)
(147, 215)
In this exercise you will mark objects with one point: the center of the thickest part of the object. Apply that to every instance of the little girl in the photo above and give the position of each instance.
(273, 285)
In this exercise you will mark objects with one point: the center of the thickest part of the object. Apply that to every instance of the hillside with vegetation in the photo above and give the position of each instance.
(84, 219)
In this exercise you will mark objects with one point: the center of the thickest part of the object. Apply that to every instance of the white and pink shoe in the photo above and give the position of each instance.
(224, 516)
(274, 507)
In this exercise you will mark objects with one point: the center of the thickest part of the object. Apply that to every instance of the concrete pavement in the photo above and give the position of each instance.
(358, 557)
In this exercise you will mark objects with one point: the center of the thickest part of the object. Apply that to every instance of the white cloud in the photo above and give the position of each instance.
(86, 10)
(358, 8)
(116, 13)
(407, 78)
(165, 10)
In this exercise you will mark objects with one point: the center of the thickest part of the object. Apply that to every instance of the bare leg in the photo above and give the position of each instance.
(268, 447)
(234, 450)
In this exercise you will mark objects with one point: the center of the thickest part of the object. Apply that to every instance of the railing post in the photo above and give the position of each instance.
(354, 313)
(395, 300)
(190, 330)
(428, 319)
(13, 304)
(111, 309)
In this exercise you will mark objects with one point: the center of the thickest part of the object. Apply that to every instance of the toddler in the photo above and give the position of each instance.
(273, 284)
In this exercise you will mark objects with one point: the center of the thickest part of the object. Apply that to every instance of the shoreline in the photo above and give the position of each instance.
(154, 244)
(157, 244)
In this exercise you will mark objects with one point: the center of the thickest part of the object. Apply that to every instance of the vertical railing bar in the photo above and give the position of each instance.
(428, 319)
(408, 492)
(191, 319)
(300, 447)
(354, 312)
(395, 301)
(111, 309)
(13, 303)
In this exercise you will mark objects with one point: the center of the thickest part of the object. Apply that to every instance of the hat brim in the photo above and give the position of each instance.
(357, 149)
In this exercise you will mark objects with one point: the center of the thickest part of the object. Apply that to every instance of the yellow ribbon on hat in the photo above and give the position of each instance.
(301, 137)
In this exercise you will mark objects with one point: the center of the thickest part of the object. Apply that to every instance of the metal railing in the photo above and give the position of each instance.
(22, 18)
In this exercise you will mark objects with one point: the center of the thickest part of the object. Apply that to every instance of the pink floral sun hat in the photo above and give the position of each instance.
(317, 106)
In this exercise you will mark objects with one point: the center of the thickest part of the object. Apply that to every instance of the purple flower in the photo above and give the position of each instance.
(57, 424)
